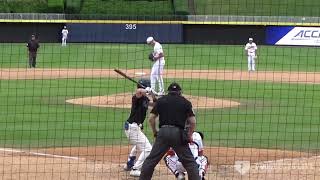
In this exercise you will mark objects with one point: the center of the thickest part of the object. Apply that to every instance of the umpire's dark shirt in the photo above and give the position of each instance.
(173, 109)
(139, 109)
(33, 46)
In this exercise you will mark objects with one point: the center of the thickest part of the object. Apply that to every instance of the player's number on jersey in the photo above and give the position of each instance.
(131, 26)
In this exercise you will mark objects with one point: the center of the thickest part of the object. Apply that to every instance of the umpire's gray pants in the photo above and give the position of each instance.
(32, 59)
(170, 137)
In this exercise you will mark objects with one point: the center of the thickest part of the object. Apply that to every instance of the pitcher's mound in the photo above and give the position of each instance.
(123, 100)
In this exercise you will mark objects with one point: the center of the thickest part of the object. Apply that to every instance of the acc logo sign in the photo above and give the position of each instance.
(305, 36)
(308, 34)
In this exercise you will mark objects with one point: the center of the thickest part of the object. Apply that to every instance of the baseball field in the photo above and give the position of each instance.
(65, 118)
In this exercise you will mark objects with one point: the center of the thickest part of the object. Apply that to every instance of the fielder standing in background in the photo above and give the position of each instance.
(173, 111)
(64, 34)
(133, 128)
(33, 46)
(251, 50)
(157, 57)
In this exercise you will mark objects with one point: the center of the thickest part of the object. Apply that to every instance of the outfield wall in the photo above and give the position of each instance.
(165, 32)
(133, 33)
(125, 33)
(21, 32)
(223, 34)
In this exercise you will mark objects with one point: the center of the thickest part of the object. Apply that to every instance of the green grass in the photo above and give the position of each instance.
(56, 6)
(122, 7)
(165, 8)
(73, 6)
(272, 58)
(258, 7)
(181, 7)
(34, 114)
(271, 115)
(4, 7)
(93, 7)
(26, 6)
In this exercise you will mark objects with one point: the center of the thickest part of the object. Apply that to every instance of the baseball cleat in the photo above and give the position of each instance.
(127, 168)
(180, 176)
(130, 163)
(135, 173)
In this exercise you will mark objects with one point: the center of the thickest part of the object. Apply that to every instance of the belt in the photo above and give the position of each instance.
(126, 125)
(133, 123)
(171, 126)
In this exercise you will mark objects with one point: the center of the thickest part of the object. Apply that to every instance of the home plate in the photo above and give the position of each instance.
(140, 73)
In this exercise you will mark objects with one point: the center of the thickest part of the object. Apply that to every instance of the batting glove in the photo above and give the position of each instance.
(148, 89)
(141, 126)
(151, 91)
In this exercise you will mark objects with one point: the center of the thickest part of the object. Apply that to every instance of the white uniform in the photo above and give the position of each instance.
(251, 49)
(140, 142)
(135, 135)
(64, 33)
(173, 163)
(157, 70)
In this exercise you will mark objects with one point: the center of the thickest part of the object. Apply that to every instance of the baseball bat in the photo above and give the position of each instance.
(127, 77)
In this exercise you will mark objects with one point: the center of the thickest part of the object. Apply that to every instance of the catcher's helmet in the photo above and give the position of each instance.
(144, 82)
(174, 87)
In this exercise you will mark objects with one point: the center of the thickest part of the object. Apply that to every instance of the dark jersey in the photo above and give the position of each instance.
(139, 109)
(173, 110)
(33, 46)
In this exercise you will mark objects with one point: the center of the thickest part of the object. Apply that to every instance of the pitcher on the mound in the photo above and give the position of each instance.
(251, 50)
(157, 57)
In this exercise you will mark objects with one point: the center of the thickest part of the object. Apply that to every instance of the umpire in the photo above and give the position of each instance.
(173, 111)
(33, 46)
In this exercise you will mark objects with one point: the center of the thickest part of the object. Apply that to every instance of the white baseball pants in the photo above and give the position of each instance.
(251, 62)
(140, 144)
(64, 41)
(176, 166)
(156, 76)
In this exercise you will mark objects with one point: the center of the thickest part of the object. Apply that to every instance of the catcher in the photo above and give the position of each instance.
(196, 147)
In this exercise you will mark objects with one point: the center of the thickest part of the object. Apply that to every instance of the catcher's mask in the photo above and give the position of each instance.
(144, 82)
(174, 88)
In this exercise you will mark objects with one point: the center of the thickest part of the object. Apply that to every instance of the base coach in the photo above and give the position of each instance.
(174, 112)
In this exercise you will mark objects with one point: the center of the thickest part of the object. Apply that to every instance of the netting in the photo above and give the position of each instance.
(249, 68)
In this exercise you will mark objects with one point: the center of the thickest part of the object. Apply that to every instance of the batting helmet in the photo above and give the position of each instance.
(144, 82)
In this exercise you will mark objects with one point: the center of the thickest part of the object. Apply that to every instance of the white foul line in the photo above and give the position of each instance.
(38, 154)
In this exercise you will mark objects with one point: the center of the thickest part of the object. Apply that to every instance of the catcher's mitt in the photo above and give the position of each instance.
(151, 57)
